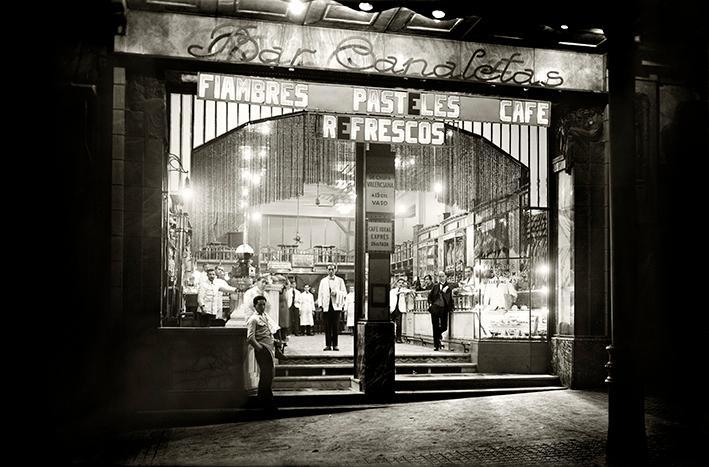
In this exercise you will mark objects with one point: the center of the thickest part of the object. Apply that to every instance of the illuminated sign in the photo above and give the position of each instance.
(279, 44)
(252, 90)
(388, 101)
(373, 101)
(525, 112)
(383, 130)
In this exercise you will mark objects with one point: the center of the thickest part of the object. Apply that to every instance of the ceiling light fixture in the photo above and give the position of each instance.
(296, 7)
(364, 6)
(438, 14)
(577, 44)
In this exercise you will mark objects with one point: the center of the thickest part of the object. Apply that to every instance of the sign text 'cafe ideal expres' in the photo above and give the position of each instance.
(374, 114)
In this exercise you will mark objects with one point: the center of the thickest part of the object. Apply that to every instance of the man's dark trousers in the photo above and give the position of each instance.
(439, 322)
(332, 321)
(265, 380)
(295, 320)
(396, 318)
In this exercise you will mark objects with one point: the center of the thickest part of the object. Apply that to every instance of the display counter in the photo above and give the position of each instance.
(501, 340)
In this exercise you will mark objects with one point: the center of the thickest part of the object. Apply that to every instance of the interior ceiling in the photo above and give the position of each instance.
(528, 24)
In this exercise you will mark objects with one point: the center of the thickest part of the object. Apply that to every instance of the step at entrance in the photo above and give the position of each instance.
(332, 369)
(333, 358)
(319, 398)
(339, 390)
(435, 368)
(421, 382)
(290, 383)
(441, 394)
(331, 365)
(307, 377)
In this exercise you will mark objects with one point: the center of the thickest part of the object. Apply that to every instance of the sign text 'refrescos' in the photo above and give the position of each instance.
(383, 130)
(295, 46)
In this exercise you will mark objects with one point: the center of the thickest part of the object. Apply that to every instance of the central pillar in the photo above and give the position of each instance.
(374, 345)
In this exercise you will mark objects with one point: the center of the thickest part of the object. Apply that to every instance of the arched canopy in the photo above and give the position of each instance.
(273, 159)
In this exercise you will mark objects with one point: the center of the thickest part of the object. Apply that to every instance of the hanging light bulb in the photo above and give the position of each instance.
(543, 269)
(297, 239)
(187, 190)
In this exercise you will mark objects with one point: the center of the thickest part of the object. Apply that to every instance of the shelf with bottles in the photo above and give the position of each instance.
(403, 268)
(427, 257)
(403, 252)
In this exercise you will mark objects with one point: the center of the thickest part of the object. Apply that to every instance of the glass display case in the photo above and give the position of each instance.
(454, 259)
(512, 298)
(512, 292)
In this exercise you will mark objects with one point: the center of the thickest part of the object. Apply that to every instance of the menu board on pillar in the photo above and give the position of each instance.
(379, 203)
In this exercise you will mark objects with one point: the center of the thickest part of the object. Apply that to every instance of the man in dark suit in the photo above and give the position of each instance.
(440, 300)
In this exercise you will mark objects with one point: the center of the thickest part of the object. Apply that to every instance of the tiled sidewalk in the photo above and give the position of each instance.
(553, 428)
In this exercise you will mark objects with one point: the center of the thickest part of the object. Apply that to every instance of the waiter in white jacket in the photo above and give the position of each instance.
(397, 305)
(331, 298)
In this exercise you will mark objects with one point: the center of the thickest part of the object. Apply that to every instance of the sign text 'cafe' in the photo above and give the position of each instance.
(381, 115)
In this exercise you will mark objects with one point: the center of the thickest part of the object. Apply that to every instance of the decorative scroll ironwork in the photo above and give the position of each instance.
(578, 128)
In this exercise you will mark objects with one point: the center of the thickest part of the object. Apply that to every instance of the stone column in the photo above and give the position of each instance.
(139, 167)
(580, 331)
(374, 359)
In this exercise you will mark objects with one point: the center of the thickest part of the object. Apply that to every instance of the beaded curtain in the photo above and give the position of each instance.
(272, 160)
(471, 170)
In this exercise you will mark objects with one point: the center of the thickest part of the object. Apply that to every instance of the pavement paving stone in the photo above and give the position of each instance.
(556, 428)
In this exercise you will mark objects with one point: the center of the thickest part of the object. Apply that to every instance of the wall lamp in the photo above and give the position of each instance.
(174, 163)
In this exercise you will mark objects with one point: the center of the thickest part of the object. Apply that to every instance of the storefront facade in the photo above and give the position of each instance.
(165, 61)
